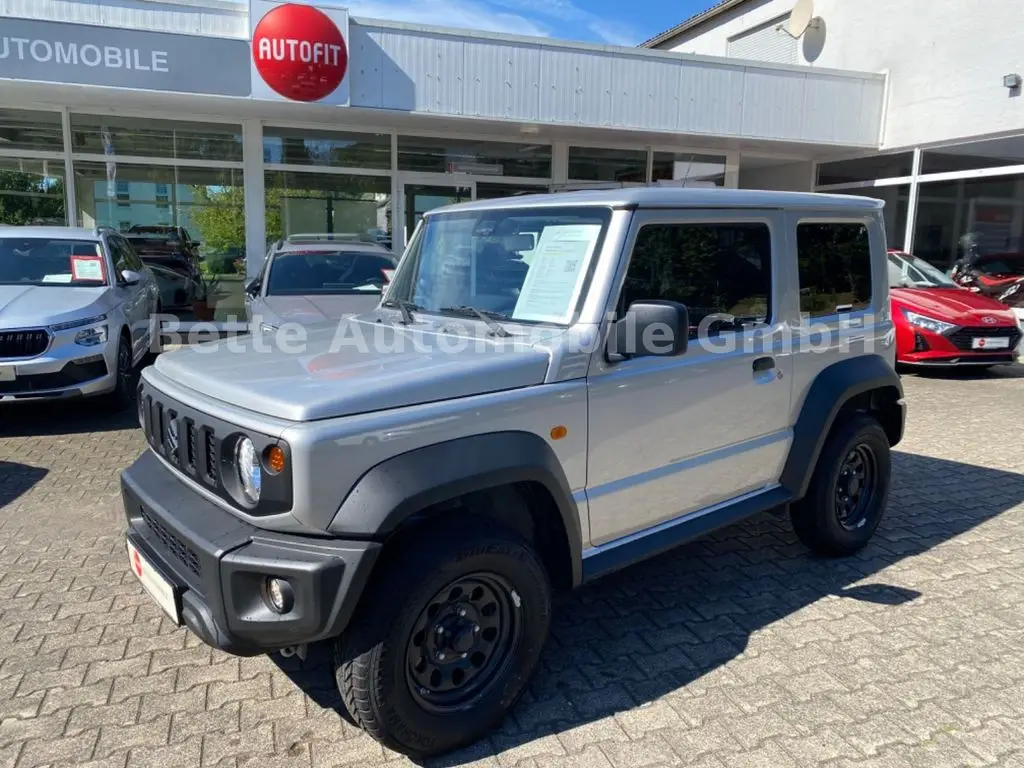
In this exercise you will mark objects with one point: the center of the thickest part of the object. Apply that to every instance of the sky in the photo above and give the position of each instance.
(598, 21)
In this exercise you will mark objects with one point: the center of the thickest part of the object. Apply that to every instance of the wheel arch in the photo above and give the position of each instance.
(512, 477)
(862, 384)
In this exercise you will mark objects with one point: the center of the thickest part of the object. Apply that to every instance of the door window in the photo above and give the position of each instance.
(834, 267)
(721, 272)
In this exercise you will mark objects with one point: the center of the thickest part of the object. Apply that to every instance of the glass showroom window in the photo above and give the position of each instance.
(695, 170)
(36, 131)
(208, 203)
(991, 153)
(31, 188)
(32, 192)
(140, 137)
(866, 169)
(615, 165)
(289, 146)
(985, 216)
(475, 158)
(316, 203)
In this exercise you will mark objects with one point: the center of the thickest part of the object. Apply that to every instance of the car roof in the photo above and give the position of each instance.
(333, 247)
(672, 197)
(53, 233)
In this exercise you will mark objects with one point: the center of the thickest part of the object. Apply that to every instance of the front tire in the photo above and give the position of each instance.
(121, 396)
(849, 489)
(446, 638)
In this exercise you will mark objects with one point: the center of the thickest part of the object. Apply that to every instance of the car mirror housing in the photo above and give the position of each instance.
(650, 329)
(130, 277)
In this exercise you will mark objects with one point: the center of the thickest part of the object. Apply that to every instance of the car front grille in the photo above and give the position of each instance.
(191, 447)
(185, 554)
(963, 338)
(16, 344)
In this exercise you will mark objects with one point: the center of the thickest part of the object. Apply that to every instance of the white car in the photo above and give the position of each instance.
(76, 313)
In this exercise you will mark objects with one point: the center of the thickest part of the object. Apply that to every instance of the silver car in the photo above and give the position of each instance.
(309, 279)
(76, 313)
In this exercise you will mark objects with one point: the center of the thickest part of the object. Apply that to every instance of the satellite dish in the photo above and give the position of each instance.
(800, 17)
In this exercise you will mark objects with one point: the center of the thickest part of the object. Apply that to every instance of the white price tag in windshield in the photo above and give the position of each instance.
(559, 262)
(87, 268)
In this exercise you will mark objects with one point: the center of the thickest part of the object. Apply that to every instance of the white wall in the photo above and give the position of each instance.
(946, 58)
(791, 177)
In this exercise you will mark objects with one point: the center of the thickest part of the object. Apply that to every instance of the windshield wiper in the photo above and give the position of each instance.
(482, 314)
(405, 307)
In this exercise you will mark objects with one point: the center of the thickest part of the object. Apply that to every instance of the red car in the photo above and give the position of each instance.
(939, 323)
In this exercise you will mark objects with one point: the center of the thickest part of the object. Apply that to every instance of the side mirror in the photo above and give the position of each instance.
(650, 328)
(252, 288)
(130, 277)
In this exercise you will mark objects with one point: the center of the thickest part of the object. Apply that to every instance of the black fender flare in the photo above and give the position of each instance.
(399, 487)
(833, 387)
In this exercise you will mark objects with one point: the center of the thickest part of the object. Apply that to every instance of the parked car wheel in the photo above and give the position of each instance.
(121, 396)
(849, 489)
(446, 640)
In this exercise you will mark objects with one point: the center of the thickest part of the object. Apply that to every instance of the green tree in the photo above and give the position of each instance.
(28, 198)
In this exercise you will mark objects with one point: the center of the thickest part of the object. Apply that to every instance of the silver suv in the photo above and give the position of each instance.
(552, 388)
(76, 313)
(309, 279)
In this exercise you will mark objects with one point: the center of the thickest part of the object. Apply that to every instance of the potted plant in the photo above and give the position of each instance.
(203, 303)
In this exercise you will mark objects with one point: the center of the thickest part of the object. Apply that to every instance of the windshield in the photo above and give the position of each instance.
(51, 261)
(324, 273)
(906, 271)
(523, 264)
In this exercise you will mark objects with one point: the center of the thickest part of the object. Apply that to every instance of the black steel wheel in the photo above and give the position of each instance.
(462, 642)
(447, 637)
(849, 488)
(855, 487)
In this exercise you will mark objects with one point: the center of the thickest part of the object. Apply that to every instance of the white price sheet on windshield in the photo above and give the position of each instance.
(558, 264)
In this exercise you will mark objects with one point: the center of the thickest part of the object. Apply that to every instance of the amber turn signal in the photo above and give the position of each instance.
(274, 459)
(557, 433)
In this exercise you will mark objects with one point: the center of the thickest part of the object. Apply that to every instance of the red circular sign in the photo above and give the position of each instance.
(299, 52)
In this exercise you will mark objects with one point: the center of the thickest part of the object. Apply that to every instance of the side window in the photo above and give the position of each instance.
(118, 254)
(834, 267)
(131, 257)
(711, 268)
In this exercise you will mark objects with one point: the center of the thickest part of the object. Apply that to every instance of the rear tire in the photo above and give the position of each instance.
(446, 638)
(849, 490)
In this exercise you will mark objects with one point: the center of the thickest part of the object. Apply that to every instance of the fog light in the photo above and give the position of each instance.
(280, 597)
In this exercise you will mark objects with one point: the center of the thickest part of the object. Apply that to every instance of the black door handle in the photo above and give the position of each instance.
(764, 364)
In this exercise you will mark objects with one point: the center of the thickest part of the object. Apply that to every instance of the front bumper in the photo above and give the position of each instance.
(64, 370)
(218, 566)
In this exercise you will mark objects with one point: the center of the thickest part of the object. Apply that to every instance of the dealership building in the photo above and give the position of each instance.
(245, 120)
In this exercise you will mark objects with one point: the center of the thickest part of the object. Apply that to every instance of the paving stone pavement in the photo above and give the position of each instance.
(733, 652)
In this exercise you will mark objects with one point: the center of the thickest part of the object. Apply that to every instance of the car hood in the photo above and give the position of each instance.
(314, 309)
(954, 305)
(355, 366)
(30, 306)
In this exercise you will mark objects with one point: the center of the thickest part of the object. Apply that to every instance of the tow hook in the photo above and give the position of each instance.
(295, 650)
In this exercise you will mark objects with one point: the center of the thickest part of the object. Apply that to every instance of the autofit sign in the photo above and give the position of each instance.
(299, 53)
(83, 54)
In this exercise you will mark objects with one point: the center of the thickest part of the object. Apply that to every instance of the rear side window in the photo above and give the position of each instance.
(711, 268)
(834, 267)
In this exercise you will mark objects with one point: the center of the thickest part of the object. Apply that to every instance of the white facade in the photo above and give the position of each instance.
(945, 58)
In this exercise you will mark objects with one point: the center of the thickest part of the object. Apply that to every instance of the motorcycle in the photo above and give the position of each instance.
(997, 275)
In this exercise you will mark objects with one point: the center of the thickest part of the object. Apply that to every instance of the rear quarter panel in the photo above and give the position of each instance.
(823, 341)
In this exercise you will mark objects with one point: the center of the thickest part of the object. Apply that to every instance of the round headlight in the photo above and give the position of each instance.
(247, 464)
